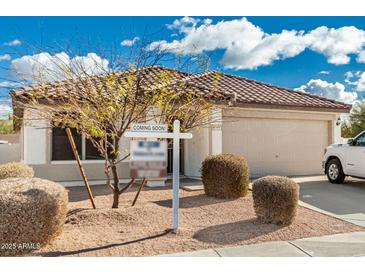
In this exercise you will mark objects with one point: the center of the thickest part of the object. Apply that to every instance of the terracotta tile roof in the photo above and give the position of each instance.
(247, 91)
(214, 85)
(149, 77)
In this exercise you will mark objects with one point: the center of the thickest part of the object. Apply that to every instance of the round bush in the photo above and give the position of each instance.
(33, 212)
(225, 176)
(275, 199)
(15, 170)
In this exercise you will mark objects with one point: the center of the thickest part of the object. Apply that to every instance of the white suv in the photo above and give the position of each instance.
(341, 160)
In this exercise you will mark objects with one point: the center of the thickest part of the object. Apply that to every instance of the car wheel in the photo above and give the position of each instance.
(334, 172)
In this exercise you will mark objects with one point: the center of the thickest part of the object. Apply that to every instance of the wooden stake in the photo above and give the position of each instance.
(77, 157)
(139, 190)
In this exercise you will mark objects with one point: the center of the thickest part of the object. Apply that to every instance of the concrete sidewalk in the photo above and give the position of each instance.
(338, 245)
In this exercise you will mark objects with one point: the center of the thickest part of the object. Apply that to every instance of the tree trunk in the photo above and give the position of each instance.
(115, 200)
(116, 186)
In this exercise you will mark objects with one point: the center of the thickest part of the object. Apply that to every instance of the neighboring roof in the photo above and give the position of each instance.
(240, 91)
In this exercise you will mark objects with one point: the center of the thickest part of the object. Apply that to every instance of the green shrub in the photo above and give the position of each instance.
(275, 199)
(225, 176)
(33, 212)
(6, 126)
(15, 170)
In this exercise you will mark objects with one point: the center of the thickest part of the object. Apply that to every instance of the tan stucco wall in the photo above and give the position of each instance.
(195, 151)
(71, 172)
(205, 141)
(36, 151)
(9, 153)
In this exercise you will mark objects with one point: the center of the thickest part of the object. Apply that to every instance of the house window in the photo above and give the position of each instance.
(61, 148)
(91, 152)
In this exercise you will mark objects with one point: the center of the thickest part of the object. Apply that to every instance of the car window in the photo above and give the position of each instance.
(360, 141)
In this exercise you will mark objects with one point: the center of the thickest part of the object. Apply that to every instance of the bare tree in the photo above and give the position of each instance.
(103, 101)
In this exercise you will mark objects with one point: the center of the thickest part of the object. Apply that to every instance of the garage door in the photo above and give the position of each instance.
(277, 146)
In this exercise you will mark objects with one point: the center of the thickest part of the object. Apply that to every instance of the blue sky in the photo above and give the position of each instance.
(322, 55)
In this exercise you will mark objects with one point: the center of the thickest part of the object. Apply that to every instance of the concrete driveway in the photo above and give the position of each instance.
(345, 201)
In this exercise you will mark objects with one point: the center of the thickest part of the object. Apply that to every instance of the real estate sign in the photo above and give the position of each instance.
(148, 159)
(140, 131)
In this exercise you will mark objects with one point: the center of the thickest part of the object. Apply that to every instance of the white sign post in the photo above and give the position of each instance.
(176, 135)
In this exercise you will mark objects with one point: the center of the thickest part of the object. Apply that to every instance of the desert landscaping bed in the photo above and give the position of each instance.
(205, 223)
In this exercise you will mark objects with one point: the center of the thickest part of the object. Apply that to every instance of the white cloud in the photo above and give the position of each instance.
(184, 24)
(211, 37)
(328, 90)
(357, 79)
(247, 46)
(264, 52)
(326, 72)
(46, 67)
(208, 21)
(350, 77)
(336, 44)
(360, 82)
(8, 84)
(5, 57)
(5, 110)
(91, 64)
(13, 43)
(361, 57)
(349, 74)
(129, 42)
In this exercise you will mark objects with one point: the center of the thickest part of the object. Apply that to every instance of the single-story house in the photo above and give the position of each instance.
(279, 131)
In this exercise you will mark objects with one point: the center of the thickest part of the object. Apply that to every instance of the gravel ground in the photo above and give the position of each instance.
(205, 223)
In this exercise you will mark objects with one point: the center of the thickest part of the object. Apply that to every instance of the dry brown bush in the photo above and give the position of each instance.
(225, 176)
(275, 199)
(33, 212)
(15, 170)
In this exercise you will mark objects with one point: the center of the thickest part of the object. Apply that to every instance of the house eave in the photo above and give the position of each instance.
(286, 107)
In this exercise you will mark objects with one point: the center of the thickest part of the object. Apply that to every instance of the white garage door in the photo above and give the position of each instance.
(277, 147)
